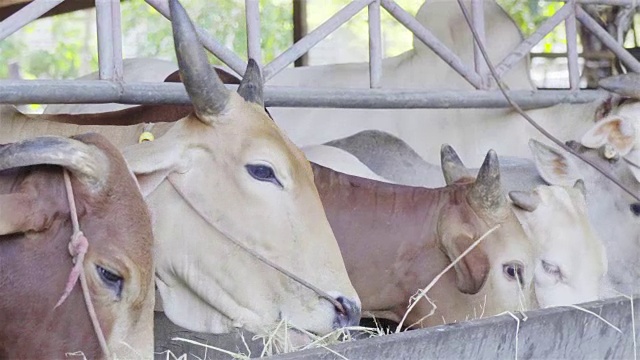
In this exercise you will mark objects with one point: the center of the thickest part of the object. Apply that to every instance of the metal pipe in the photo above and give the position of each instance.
(252, 8)
(603, 2)
(570, 26)
(375, 45)
(525, 46)
(225, 55)
(26, 15)
(477, 14)
(109, 39)
(432, 42)
(607, 40)
(314, 37)
(100, 91)
(116, 27)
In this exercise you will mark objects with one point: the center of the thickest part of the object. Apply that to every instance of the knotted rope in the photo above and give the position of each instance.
(78, 247)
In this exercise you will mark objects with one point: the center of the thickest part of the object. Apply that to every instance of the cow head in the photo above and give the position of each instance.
(501, 267)
(35, 230)
(572, 258)
(235, 177)
(620, 130)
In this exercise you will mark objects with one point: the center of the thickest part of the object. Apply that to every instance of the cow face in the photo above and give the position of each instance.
(235, 178)
(570, 258)
(498, 273)
(612, 212)
(36, 232)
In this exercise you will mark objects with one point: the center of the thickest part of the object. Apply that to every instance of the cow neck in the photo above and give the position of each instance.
(403, 203)
(320, 292)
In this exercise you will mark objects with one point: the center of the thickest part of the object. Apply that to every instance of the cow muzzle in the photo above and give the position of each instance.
(349, 314)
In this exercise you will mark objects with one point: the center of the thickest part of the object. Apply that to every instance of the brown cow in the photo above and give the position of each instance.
(35, 230)
(395, 239)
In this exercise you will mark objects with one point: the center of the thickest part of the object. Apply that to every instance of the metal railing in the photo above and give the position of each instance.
(110, 87)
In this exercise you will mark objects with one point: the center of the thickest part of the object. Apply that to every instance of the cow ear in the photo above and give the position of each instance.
(471, 270)
(525, 200)
(554, 167)
(18, 214)
(152, 161)
(617, 131)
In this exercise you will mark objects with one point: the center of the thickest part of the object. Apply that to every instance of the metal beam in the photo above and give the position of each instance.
(97, 91)
(26, 15)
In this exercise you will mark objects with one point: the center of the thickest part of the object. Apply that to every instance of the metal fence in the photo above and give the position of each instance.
(111, 88)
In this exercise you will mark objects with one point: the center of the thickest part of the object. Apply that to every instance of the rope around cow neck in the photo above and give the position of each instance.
(323, 294)
(78, 248)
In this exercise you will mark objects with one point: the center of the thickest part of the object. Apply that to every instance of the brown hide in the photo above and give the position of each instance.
(394, 243)
(34, 265)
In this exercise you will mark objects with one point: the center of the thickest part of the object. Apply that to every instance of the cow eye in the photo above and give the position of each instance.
(514, 271)
(635, 209)
(552, 269)
(112, 280)
(263, 172)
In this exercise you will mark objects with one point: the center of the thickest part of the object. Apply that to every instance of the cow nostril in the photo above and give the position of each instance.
(348, 314)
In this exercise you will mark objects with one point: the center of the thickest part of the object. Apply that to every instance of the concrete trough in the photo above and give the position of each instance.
(554, 333)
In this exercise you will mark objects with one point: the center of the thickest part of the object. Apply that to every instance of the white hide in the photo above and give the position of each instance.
(608, 207)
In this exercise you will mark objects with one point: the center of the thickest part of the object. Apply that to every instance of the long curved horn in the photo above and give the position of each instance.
(487, 190)
(252, 84)
(207, 92)
(625, 84)
(86, 162)
(452, 167)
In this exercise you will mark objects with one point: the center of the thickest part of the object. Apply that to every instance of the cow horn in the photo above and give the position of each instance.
(452, 167)
(86, 162)
(252, 84)
(487, 191)
(207, 92)
(625, 85)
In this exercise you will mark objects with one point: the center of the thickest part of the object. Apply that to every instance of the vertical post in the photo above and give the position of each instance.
(252, 8)
(375, 45)
(477, 18)
(570, 25)
(109, 39)
(300, 28)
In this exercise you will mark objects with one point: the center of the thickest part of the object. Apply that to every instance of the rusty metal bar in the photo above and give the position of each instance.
(27, 14)
(375, 45)
(525, 46)
(109, 39)
(477, 13)
(314, 37)
(102, 91)
(300, 28)
(216, 48)
(572, 47)
(432, 42)
(254, 50)
(607, 40)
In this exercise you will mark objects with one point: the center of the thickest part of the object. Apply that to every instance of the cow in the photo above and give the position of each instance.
(554, 214)
(219, 181)
(35, 231)
(396, 239)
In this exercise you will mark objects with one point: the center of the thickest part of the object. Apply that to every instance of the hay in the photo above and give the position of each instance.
(232, 354)
(633, 325)
(77, 353)
(422, 293)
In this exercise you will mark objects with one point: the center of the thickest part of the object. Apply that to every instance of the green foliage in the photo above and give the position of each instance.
(65, 46)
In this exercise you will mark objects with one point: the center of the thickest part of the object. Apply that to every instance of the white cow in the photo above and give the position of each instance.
(571, 260)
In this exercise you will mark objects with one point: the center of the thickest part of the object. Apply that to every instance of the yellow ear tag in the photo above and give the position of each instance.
(146, 136)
